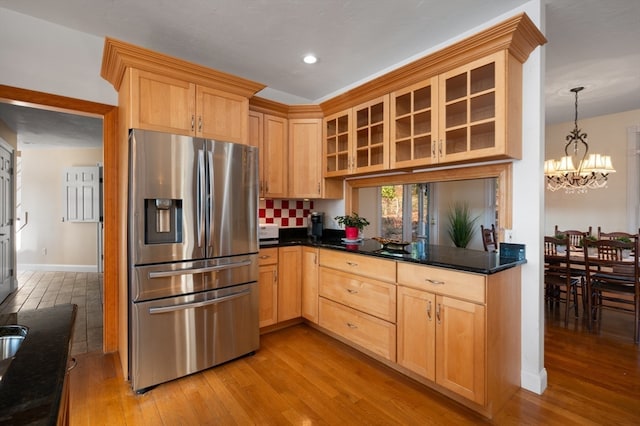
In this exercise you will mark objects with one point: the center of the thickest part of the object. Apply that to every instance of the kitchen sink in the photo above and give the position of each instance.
(11, 337)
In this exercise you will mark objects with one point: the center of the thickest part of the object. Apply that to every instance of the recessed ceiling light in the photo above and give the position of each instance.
(310, 59)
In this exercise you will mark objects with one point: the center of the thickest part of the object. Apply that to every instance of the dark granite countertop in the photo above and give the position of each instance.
(467, 260)
(31, 389)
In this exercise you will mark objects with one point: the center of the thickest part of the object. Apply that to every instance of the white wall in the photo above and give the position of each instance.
(605, 207)
(38, 55)
(69, 246)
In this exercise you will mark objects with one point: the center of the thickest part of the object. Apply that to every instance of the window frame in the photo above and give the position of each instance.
(503, 172)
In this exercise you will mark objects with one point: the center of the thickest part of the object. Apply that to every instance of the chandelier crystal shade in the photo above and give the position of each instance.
(592, 171)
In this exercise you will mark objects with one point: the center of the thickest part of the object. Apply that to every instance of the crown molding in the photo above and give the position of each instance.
(117, 56)
(518, 35)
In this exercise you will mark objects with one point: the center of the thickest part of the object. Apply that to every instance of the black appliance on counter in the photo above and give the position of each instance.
(315, 224)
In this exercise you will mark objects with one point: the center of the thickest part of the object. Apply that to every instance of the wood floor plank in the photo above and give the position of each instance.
(300, 376)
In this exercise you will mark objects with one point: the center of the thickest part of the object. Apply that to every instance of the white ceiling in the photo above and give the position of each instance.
(591, 43)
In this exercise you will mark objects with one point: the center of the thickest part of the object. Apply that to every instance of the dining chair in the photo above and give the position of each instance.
(613, 280)
(489, 238)
(560, 283)
(616, 235)
(575, 236)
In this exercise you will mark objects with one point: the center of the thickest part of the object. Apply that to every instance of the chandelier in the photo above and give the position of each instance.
(592, 171)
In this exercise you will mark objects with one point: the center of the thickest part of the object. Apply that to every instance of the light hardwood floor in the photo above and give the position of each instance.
(303, 377)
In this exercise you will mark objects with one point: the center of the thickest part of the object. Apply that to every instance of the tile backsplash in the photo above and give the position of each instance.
(285, 213)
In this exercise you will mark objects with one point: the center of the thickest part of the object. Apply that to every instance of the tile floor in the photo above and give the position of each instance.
(39, 289)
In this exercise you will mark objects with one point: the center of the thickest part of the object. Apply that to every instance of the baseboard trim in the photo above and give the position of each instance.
(536, 383)
(56, 268)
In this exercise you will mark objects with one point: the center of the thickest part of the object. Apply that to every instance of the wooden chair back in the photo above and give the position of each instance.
(560, 285)
(574, 235)
(489, 238)
(613, 278)
(616, 235)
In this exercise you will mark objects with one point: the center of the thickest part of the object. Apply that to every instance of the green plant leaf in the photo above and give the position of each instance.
(461, 224)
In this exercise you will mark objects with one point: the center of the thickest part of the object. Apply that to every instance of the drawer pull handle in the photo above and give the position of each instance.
(352, 264)
(265, 256)
(352, 291)
(429, 310)
(436, 282)
(350, 325)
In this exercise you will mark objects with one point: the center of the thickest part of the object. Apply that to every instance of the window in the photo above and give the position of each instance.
(404, 211)
(414, 211)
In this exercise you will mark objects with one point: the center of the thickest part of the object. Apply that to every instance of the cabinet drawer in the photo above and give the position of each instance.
(366, 266)
(365, 294)
(372, 333)
(463, 285)
(268, 256)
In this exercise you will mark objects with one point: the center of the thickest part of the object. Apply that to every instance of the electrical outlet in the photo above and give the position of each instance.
(508, 235)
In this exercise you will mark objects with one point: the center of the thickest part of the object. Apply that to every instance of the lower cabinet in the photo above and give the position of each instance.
(443, 340)
(457, 332)
(461, 331)
(289, 283)
(268, 286)
(279, 284)
(356, 306)
(310, 284)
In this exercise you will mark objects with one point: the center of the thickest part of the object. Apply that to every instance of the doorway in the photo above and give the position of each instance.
(8, 282)
(108, 113)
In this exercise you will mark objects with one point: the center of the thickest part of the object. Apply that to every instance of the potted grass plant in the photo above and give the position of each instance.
(353, 224)
(461, 224)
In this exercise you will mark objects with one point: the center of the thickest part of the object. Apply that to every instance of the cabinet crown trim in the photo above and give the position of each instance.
(117, 56)
(518, 35)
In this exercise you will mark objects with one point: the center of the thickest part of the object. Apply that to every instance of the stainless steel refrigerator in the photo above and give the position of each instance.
(193, 243)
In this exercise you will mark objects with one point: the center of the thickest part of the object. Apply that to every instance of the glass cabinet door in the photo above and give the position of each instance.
(414, 123)
(337, 144)
(472, 100)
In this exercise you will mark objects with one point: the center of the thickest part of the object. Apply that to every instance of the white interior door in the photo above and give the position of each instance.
(8, 280)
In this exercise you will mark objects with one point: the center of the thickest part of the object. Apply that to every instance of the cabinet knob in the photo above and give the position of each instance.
(352, 291)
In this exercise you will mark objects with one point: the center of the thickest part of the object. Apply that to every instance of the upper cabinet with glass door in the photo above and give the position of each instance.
(414, 125)
(357, 140)
(474, 120)
(460, 115)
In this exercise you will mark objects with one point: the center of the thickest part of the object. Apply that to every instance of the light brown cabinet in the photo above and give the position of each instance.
(357, 140)
(289, 283)
(442, 339)
(279, 284)
(305, 154)
(356, 306)
(270, 134)
(414, 125)
(460, 331)
(268, 286)
(173, 105)
(310, 284)
(469, 113)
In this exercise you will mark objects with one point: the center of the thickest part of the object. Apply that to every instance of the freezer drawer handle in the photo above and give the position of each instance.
(164, 274)
(165, 309)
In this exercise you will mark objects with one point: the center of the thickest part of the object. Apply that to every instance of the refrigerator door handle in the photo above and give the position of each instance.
(173, 308)
(211, 201)
(191, 271)
(202, 196)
